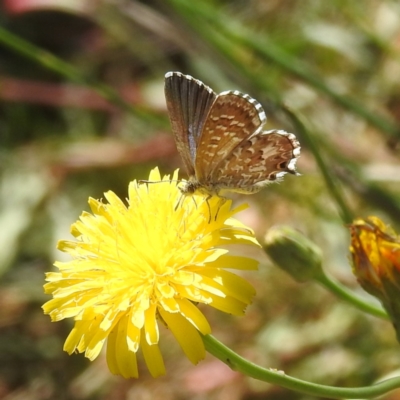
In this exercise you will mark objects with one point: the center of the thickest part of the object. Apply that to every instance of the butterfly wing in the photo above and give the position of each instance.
(257, 161)
(188, 103)
(232, 118)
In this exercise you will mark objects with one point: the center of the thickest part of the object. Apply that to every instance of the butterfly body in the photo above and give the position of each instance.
(221, 139)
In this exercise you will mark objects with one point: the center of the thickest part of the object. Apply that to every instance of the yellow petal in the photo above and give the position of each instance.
(125, 359)
(152, 333)
(237, 262)
(186, 334)
(153, 358)
(194, 316)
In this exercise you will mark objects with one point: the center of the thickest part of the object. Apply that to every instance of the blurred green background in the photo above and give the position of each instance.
(82, 111)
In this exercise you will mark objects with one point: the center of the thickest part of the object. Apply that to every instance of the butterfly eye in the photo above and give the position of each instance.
(272, 176)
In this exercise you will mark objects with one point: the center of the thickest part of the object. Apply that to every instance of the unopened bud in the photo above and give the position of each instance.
(294, 253)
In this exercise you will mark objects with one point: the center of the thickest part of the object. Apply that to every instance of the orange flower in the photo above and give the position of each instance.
(375, 250)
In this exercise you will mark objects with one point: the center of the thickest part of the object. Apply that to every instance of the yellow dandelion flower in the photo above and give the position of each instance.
(148, 261)
(375, 249)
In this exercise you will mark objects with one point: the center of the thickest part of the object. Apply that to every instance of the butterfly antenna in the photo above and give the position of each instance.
(168, 181)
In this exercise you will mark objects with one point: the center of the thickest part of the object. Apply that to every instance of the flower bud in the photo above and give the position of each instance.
(375, 250)
(294, 253)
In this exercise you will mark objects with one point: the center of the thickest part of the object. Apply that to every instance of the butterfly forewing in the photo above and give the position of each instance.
(188, 103)
(232, 118)
(258, 160)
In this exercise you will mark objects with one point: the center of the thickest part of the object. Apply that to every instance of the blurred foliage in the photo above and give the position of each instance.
(82, 111)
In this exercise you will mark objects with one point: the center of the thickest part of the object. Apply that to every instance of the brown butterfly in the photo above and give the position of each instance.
(221, 139)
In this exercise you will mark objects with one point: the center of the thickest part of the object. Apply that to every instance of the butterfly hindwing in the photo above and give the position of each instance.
(258, 160)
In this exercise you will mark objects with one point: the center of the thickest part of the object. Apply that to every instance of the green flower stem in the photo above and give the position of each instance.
(57, 65)
(42, 57)
(69, 72)
(341, 292)
(238, 363)
(207, 19)
(371, 192)
(330, 181)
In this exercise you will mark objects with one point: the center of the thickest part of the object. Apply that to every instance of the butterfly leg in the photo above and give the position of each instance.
(179, 202)
(223, 200)
(209, 208)
(221, 203)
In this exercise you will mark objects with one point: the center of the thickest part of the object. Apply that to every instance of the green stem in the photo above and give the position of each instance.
(370, 192)
(60, 67)
(238, 363)
(42, 57)
(344, 294)
(330, 181)
(199, 13)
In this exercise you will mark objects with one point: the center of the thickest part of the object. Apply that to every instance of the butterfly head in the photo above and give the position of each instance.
(189, 188)
(193, 186)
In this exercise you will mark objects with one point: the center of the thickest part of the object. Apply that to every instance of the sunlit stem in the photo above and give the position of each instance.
(343, 293)
(238, 363)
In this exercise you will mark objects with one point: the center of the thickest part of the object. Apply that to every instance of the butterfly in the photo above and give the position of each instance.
(221, 140)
